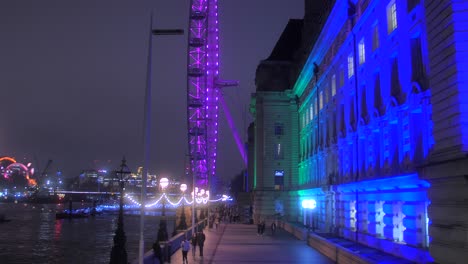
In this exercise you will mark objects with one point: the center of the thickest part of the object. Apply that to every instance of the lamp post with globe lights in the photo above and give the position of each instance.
(200, 196)
(162, 232)
(182, 223)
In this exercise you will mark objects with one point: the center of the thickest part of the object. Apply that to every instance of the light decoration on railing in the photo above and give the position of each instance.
(201, 198)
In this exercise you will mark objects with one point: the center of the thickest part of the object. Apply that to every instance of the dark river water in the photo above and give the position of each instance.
(34, 235)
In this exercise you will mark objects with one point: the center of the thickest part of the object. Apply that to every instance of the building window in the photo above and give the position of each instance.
(311, 110)
(364, 113)
(279, 129)
(375, 37)
(350, 66)
(395, 86)
(279, 179)
(325, 95)
(378, 95)
(341, 76)
(392, 17)
(315, 106)
(333, 85)
(352, 114)
(321, 100)
(342, 121)
(279, 151)
(362, 52)
(418, 71)
(334, 133)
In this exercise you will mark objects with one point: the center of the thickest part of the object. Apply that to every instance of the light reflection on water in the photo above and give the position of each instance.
(34, 235)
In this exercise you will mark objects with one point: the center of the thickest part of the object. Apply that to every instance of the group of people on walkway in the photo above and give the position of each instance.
(224, 214)
(261, 228)
(198, 239)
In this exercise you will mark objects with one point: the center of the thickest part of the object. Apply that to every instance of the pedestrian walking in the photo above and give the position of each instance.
(262, 229)
(157, 254)
(194, 244)
(201, 242)
(185, 245)
(273, 228)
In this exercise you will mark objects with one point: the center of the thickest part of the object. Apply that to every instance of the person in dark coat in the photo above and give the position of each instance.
(262, 228)
(157, 251)
(194, 244)
(273, 228)
(201, 242)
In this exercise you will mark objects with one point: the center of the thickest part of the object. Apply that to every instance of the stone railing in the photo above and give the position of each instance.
(333, 251)
(168, 248)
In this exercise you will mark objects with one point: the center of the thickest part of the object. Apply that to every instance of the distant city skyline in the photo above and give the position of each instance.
(73, 76)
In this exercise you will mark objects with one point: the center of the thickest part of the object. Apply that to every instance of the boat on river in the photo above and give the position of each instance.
(77, 213)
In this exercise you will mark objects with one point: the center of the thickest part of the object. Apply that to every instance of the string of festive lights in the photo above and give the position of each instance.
(158, 202)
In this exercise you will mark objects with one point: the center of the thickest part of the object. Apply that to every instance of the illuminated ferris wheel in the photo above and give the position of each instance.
(203, 90)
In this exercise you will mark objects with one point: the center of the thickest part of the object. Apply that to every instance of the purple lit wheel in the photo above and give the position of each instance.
(203, 90)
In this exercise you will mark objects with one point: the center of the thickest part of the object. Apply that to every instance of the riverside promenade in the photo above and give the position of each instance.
(239, 243)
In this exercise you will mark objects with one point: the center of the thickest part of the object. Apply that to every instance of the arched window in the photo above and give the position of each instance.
(395, 86)
(352, 114)
(333, 85)
(418, 70)
(378, 95)
(321, 100)
(364, 112)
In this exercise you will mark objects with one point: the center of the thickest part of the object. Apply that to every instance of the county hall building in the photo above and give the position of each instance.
(361, 127)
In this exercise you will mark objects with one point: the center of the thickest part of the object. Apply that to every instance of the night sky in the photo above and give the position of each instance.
(72, 76)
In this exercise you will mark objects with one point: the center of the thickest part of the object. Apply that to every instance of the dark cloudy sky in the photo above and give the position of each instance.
(72, 76)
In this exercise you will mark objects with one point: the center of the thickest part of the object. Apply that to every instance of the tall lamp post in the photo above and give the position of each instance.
(162, 232)
(147, 130)
(119, 253)
(194, 208)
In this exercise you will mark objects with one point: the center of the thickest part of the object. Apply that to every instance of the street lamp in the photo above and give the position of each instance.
(162, 232)
(182, 223)
(202, 198)
(118, 252)
(147, 131)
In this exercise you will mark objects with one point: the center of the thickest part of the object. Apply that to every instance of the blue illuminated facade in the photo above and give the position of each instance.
(379, 113)
(365, 127)
(381, 140)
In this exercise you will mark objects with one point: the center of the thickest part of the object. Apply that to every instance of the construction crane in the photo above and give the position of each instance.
(40, 177)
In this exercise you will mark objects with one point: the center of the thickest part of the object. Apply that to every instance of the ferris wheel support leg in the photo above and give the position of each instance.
(234, 131)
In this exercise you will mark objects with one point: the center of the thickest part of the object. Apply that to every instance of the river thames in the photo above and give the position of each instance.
(34, 235)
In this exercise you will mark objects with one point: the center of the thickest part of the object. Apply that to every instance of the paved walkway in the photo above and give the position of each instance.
(239, 243)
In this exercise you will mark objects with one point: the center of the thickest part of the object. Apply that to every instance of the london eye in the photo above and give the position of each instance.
(204, 93)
